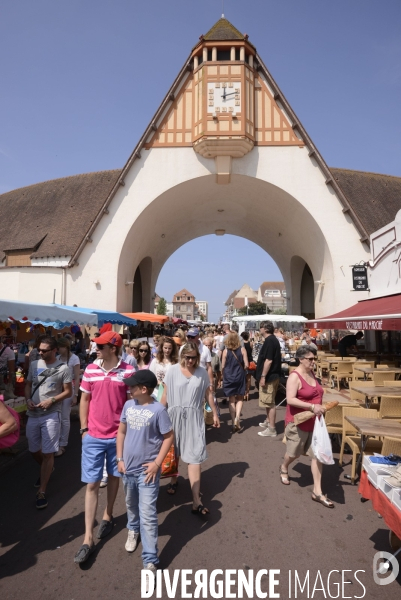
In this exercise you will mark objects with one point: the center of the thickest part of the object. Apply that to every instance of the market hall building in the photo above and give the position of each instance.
(224, 153)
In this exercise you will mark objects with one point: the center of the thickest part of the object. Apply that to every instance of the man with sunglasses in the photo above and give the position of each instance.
(104, 394)
(48, 384)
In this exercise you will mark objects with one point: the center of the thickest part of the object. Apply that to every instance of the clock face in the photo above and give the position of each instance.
(224, 97)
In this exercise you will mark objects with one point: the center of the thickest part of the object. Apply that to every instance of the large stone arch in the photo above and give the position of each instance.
(249, 207)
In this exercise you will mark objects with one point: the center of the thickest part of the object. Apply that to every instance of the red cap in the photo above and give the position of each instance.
(109, 337)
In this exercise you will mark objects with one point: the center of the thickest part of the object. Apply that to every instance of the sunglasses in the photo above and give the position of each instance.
(310, 358)
(190, 357)
(41, 351)
(143, 350)
(100, 346)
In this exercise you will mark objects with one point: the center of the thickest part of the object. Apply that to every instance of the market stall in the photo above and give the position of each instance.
(49, 315)
(151, 317)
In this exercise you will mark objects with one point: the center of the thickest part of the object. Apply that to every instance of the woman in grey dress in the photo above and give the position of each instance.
(186, 389)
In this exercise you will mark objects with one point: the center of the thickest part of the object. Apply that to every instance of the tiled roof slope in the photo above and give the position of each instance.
(60, 211)
(375, 198)
(223, 30)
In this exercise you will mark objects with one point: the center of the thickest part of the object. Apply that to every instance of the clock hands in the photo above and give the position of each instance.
(229, 94)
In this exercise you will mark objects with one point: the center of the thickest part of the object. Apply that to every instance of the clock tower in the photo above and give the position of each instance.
(224, 80)
(222, 104)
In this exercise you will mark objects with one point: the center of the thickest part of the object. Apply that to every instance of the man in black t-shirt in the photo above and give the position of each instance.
(268, 371)
(349, 341)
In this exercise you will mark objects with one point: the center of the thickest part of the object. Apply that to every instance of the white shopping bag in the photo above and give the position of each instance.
(321, 443)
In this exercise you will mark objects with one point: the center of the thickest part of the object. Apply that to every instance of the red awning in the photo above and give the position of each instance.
(381, 314)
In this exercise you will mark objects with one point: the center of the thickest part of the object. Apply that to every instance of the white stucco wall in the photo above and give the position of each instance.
(31, 284)
(277, 198)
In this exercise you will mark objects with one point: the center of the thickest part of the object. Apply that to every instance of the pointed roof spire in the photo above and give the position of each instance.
(224, 30)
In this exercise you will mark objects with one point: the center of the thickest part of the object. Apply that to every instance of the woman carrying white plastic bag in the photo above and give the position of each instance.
(304, 393)
(321, 443)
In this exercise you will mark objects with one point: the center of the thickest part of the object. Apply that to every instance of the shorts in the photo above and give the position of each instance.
(298, 441)
(267, 394)
(94, 452)
(43, 433)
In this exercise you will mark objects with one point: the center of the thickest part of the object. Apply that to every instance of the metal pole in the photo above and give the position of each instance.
(54, 296)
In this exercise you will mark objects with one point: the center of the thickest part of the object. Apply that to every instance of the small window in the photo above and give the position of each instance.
(223, 55)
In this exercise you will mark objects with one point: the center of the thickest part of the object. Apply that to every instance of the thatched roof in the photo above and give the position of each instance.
(59, 212)
(375, 198)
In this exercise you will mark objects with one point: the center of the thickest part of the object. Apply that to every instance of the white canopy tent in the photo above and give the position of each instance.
(45, 314)
(292, 322)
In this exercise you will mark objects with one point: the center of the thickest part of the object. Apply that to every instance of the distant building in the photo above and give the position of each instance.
(156, 301)
(245, 296)
(273, 293)
(169, 309)
(184, 305)
(203, 308)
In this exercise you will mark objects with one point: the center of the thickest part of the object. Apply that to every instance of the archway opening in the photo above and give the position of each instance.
(211, 268)
(137, 291)
(307, 294)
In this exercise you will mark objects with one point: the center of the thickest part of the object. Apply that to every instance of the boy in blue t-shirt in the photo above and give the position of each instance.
(144, 437)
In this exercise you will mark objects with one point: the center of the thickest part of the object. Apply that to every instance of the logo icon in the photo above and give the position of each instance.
(381, 566)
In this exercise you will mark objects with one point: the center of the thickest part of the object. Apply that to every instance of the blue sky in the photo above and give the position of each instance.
(81, 80)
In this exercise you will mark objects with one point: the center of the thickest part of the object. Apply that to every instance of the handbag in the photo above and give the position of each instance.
(252, 366)
(169, 465)
(11, 438)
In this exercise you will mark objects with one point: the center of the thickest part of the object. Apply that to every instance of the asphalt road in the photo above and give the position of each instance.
(255, 523)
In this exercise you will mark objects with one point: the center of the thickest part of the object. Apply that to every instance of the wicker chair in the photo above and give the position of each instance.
(343, 372)
(382, 366)
(353, 439)
(334, 420)
(393, 383)
(390, 408)
(380, 378)
(391, 446)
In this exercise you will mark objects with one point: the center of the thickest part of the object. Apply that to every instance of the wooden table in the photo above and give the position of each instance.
(369, 370)
(373, 391)
(373, 427)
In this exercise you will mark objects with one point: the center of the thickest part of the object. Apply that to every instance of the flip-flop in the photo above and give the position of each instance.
(284, 476)
(173, 487)
(322, 500)
(84, 553)
(201, 511)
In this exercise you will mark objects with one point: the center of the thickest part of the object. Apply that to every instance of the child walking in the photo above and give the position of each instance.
(144, 437)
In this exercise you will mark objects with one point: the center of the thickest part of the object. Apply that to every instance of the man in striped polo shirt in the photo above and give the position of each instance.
(104, 394)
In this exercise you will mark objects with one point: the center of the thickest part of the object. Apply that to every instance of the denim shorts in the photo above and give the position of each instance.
(94, 452)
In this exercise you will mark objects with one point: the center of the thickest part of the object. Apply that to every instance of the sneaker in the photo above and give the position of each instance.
(268, 432)
(148, 585)
(41, 501)
(103, 483)
(264, 424)
(132, 541)
(60, 452)
(37, 482)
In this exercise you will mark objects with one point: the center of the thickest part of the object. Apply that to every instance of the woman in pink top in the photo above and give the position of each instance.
(144, 356)
(304, 392)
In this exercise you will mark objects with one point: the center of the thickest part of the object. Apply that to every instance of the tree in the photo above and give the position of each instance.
(256, 308)
(202, 317)
(279, 311)
(161, 307)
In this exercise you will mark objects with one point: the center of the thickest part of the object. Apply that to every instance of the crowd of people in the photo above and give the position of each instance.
(137, 401)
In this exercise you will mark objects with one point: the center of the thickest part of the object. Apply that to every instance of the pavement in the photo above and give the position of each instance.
(255, 523)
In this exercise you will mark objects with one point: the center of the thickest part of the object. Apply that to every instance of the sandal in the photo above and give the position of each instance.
(84, 553)
(172, 488)
(322, 500)
(201, 511)
(284, 476)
